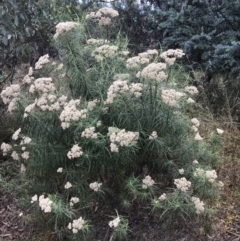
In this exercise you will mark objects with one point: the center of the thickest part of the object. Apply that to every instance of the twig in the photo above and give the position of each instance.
(106, 235)
(238, 235)
(5, 235)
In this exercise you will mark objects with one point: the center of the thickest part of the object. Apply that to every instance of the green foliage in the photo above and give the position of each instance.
(140, 24)
(207, 31)
(102, 131)
(208, 34)
(26, 28)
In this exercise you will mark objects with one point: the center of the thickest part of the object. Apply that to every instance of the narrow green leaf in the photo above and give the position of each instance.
(16, 21)
(5, 40)
(1, 12)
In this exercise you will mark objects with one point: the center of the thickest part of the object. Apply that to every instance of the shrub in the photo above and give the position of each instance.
(108, 130)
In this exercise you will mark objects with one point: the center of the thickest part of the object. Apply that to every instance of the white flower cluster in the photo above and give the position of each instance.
(44, 85)
(162, 197)
(75, 152)
(12, 105)
(99, 123)
(153, 136)
(60, 66)
(70, 113)
(73, 201)
(104, 15)
(151, 53)
(195, 126)
(195, 162)
(114, 223)
(171, 55)
(182, 183)
(107, 12)
(10, 92)
(34, 198)
(28, 109)
(64, 27)
(60, 170)
(25, 140)
(76, 225)
(190, 101)
(41, 102)
(134, 62)
(195, 122)
(10, 96)
(220, 131)
(120, 87)
(92, 104)
(199, 205)
(141, 59)
(121, 137)
(91, 15)
(211, 175)
(44, 203)
(147, 182)
(181, 171)
(16, 134)
(30, 71)
(199, 172)
(198, 137)
(42, 60)
(15, 156)
(62, 100)
(22, 168)
(154, 71)
(67, 185)
(95, 186)
(191, 90)
(25, 155)
(89, 133)
(136, 89)
(105, 51)
(46, 102)
(171, 96)
(5, 148)
(124, 53)
(97, 41)
(28, 78)
(104, 21)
